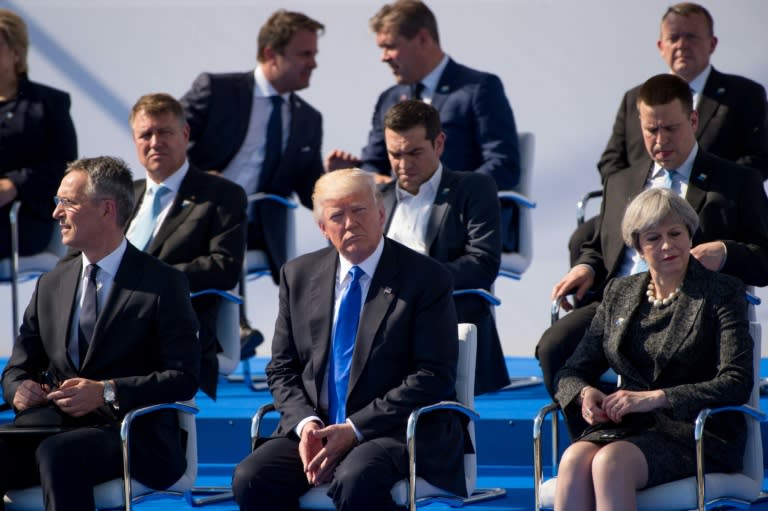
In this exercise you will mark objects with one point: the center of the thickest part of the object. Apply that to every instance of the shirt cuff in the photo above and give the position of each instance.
(725, 256)
(300, 427)
(358, 435)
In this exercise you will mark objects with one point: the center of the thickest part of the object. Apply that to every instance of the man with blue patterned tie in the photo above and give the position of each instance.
(729, 199)
(185, 217)
(366, 331)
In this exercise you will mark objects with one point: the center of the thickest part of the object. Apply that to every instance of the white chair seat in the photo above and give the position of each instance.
(110, 495)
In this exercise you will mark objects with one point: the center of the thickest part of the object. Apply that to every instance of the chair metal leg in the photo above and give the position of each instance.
(14, 221)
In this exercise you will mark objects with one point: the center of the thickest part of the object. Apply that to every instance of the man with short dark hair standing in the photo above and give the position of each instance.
(254, 129)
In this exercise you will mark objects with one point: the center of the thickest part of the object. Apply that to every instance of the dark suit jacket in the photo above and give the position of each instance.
(405, 354)
(146, 343)
(707, 360)
(732, 208)
(37, 140)
(732, 125)
(203, 236)
(218, 109)
(463, 233)
(476, 117)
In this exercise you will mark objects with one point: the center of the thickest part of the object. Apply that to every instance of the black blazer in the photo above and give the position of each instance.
(203, 236)
(463, 233)
(148, 345)
(37, 140)
(476, 117)
(732, 125)
(732, 208)
(405, 354)
(707, 359)
(218, 109)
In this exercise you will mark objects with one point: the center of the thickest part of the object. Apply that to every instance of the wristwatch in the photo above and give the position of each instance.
(110, 397)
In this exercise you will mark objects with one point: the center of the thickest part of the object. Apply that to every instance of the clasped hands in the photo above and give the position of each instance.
(75, 396)
(321, 449)
(597, 407)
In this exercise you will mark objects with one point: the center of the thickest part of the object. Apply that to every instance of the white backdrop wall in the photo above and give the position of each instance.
(565, 65)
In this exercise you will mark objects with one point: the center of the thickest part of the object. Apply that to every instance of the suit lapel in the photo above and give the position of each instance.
(69, 283)
(440, 208)
(444, 85)
(625, 309)
(382, 292)
(687, 313)
(321, 288)
(183, 204)
(128, 271)
(711, 98)
(698, 184)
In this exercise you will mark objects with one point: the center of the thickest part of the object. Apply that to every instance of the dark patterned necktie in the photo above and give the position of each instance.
(89, 311)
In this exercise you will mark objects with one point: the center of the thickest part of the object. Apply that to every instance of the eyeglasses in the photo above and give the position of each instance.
(67, 204)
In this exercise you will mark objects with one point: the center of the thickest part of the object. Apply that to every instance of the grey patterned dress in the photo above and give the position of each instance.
(697, 349)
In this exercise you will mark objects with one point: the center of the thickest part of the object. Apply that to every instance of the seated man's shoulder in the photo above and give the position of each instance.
(47, 92)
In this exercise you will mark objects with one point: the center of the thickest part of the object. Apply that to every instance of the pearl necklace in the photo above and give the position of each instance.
(660, 302)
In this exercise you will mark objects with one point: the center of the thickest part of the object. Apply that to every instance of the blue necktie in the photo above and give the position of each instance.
(274, 142)
(343, 347)
(145, 223)
(89, 311)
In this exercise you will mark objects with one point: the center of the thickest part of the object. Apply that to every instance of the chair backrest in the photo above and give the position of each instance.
(228, 334)
(517, 220)
(465, 393)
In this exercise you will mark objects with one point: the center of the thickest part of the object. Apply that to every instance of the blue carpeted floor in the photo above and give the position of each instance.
(504, 444)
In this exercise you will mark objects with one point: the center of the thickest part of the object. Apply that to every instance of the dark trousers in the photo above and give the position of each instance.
(272, 478)
(67, 465)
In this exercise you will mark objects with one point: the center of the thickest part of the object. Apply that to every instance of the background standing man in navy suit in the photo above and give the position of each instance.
(450, 216)
(114, 330)
(476, 116)
(200, 223)
(229, 117)
(404, 351)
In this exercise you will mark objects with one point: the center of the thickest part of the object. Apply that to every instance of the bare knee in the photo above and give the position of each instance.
(620, 464)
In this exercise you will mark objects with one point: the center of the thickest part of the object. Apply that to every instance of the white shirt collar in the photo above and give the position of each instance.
(685, 169)
(697, 84)
(368, 265)
(428, 188)
(173, 182)
(262, 88)
(110, 262)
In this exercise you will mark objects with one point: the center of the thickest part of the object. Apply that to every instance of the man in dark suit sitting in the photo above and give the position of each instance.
(236, 129)
(104, 333)
(729, 199)
(345, 390)
(474, 110)
(731, 109)
(187, 218)
(450, 216)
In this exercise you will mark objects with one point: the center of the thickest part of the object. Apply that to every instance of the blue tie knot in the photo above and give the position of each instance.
(356, 272)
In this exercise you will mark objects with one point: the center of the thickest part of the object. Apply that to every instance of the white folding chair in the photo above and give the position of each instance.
(123, 492)
(415, 491)
(17, 269)
(515, 260)
(227, 328)
(699, 492)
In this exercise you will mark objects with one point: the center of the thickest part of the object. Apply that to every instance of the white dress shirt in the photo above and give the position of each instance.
(411, 216)
(173, 183)
(342, 282)
(108, 266)
(245, 167)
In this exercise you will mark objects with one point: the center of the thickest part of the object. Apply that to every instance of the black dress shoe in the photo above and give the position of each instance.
(250, 339)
